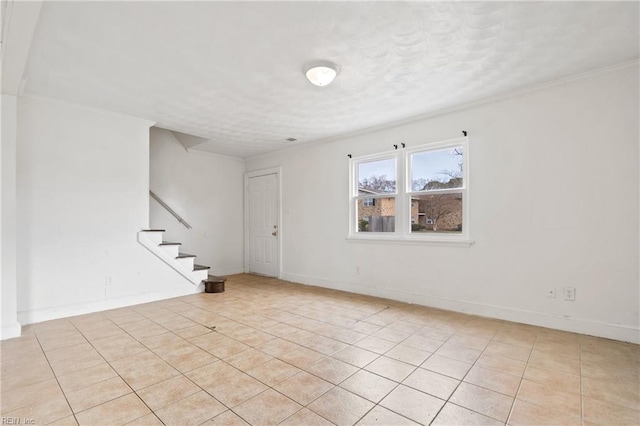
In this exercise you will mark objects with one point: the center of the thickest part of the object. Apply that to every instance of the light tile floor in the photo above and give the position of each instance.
(269, 352)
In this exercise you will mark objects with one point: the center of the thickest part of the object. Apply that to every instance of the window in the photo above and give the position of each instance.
(417, 193)
(376, 195)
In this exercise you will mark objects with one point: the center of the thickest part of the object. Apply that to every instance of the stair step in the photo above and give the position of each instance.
(200, 267)
(153, 230)
(184, 255)
(167, 243)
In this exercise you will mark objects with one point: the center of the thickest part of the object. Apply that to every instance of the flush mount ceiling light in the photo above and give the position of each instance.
(321, 73)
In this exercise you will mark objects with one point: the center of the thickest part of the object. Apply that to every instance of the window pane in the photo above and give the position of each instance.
(436, 213)
(439, 169)
(377, 177)
(376, 214)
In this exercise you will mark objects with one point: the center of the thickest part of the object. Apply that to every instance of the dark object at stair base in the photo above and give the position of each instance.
(214, 284)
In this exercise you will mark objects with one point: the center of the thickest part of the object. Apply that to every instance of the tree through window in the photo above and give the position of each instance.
(437, 183)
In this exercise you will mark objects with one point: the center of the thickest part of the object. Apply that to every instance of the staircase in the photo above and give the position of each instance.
(183, 263)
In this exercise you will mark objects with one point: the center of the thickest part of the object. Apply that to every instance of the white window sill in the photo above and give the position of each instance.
(375, 239)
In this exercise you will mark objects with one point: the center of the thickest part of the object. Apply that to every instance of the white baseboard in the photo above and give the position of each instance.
(47, 314)
(542, 319)
(230, 271)
(309, 280)
(8, 331)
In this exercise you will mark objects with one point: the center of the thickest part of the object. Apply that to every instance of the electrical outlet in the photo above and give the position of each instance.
(570, 293)
(551, 292)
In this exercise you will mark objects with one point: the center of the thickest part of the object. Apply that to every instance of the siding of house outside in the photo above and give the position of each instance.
(386, 207)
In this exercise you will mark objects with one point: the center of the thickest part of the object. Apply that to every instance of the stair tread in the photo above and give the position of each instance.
(153, 230)
(215, 279)
(168, 243)
(197, 267)
(183, 255)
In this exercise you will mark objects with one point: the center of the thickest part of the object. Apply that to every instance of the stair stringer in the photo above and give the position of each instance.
(151, 240)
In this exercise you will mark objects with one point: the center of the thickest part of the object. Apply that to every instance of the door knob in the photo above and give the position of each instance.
(274, 233)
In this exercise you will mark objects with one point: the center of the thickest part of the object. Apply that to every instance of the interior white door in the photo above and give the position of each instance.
(263, 225)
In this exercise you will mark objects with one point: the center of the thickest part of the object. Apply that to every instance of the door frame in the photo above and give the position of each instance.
(257, 173)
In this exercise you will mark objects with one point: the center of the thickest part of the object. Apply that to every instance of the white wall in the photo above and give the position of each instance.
(82, 182)
(8, 282)
(206, 191)
(554, 202)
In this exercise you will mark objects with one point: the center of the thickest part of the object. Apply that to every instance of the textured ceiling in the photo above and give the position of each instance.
(231, 72)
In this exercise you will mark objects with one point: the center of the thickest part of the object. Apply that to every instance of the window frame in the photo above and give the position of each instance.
(354, 196)
(403, 196)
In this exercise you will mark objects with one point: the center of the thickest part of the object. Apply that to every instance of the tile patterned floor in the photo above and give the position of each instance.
(268, 352)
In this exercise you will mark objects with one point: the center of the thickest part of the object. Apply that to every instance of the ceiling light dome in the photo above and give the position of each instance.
(321, 73)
